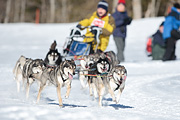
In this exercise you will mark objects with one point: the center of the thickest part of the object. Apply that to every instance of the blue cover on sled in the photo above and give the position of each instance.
(79, 48)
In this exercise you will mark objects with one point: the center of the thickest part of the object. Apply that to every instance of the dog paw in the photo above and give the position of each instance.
(66, 97)
(61, 106)
(115, 101)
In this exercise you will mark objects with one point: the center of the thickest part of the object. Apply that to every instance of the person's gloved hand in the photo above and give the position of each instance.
(127, 20)
(79, 26)
(94, 29)
(122, 28)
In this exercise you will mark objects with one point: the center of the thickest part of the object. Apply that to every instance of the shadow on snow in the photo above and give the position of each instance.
(68, 105)
(117, 106)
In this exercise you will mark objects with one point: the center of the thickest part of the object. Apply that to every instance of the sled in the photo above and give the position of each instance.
(74, 45)
(149, 47)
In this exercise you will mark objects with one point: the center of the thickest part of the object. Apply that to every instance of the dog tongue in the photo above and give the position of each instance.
(70, 77)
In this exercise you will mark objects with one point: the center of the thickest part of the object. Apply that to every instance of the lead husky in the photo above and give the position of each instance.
(115, 80)
(60, 76)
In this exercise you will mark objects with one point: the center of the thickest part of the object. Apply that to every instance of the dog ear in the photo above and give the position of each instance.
(72, 60)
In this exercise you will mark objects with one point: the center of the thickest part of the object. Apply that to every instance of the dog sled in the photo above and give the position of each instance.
(75, 46)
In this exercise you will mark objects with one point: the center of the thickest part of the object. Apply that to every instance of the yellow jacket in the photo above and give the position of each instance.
(106, 23)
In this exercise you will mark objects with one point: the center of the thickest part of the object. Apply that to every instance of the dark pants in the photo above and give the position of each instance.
(171, 46)
(120, 44)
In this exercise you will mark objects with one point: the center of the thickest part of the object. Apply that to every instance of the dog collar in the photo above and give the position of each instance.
(51, 66)
(64, 80)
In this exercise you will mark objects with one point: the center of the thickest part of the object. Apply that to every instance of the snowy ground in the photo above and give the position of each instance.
(151, 92)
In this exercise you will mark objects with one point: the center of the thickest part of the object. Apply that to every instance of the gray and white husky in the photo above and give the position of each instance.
(100, 75)
(32, 67)
(60, 76)
(115, 80)
(24, 68)
(86, 63)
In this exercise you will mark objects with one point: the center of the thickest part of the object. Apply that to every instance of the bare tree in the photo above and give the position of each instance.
(153, 8)
(17, 10)
(52, 11)
(114, 5)
(23, 8)
(43, 11)
(64, 11)
(8, 9)
(157, 7)
(137, 10)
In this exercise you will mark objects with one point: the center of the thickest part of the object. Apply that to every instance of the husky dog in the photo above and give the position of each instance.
(116, 79)
(18, 71)
(53, 57)
(60, 76)
(112, 58)
(86, 62)
(100, 68)
(31, 67)
(104, 65)
(23, 70)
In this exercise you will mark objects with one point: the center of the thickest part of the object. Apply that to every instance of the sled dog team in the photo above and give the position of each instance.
(100, 71)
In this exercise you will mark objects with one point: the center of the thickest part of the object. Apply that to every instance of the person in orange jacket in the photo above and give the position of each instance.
(104, 21)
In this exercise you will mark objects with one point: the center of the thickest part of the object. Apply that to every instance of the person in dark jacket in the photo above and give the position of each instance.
(121, 20)
(158, 44)
(171, 32)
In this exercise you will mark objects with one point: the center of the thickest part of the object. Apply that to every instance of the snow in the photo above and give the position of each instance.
(151, 92)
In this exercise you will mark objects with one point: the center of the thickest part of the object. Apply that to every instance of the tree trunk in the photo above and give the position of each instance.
(115, 2)
(23, 9)
(52, 11)
(153, 8)
(64, 11)
(43, 11)
(148, 11)
(157, 7)
(17, 10)
(8, 9)
(137, 10)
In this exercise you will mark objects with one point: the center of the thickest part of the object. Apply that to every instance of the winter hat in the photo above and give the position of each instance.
(103, 4)
(122, 1)
(177, 5)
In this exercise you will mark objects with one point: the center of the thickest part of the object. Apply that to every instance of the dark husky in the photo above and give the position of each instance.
(53, 57)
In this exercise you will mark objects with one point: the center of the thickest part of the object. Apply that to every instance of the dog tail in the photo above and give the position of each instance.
(53, 45)
(15, 68)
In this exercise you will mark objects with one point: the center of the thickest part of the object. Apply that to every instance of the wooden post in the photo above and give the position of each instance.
(37, 15)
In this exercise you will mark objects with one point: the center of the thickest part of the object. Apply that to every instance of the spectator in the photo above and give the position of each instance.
(171, 32)
(101, 19)
(119, 34)
(158, 44)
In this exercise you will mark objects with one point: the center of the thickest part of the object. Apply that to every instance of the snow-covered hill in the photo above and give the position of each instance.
(151, 92)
